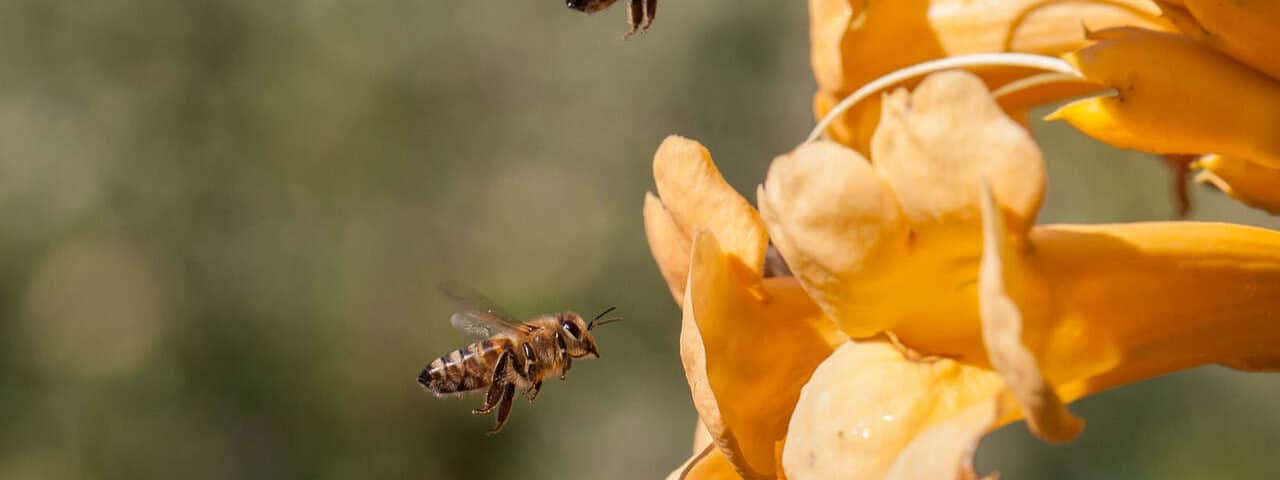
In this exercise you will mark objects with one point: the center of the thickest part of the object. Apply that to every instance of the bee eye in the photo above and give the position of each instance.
(571, 329)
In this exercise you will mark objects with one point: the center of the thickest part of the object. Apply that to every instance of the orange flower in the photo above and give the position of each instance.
(725, 293)
(1214, 88)
(932, 245)
(855, 41)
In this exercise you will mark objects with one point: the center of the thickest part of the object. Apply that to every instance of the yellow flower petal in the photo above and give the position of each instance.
(1175, 96)
(1253, 184)
(1244, 29)
(946, 450)
(848, 37)
(832, 218)
(708, 464)
(1002, 335)
(866, 403)
(697, 196)
(1106, 305)
(669, 245)
(1209, 293)
(1261, 363)
(865, 239)
(701, 437)
(935, 145)
(1101, 305)
(744, 390)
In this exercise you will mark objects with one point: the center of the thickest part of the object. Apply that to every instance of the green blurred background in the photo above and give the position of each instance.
(223, 222)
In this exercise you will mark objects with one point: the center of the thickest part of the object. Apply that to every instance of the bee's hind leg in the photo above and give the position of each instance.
(532, 392)
(496, 386)
(650, 11)
(504, 408)
(635, 16)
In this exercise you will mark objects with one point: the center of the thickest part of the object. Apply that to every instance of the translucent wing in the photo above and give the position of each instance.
(476, 314)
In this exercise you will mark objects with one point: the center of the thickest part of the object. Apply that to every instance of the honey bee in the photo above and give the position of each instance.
(514, 356)
(640, 13)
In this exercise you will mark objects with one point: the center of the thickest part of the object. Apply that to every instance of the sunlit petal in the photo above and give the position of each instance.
(866, 403)
(833, 219)
(945, 451)
(936, 144)
(669, 245)
(1171, 97)
(707, 464)
(1251, 183)
(747, 350)
(1244, 29)
(1002, 335)
(866, 238)
(1106, 305)
(848, 38)
(697, 197)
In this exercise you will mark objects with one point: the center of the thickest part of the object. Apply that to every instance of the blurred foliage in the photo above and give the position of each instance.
(224, 221)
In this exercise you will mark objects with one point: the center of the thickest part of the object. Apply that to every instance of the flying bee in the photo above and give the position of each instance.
(514, 356)
(640, 13)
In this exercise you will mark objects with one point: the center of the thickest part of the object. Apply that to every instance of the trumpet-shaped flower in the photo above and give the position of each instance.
(1175, 95)
(855, 41)
(1213, 89)
(963, 314)
(1251, 183)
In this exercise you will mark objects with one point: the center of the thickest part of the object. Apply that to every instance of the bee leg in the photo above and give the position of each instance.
(504, 409)
(532, 392)
(491, 399)
(650, 11)
(494, 395)
(635, 16)
(568, 362)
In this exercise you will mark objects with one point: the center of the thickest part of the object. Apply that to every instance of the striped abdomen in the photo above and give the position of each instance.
(467, 368)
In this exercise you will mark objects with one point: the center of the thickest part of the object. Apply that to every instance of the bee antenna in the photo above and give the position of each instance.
(605, 312)
(604, 322)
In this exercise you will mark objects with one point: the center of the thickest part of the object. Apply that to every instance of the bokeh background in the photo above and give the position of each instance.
(223, 221)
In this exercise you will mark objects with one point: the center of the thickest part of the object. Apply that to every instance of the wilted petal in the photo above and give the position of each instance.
(866, 403)
(747, 349)
(1174, 95)
(1243, 29)
(1251, 183)
(1002, 334)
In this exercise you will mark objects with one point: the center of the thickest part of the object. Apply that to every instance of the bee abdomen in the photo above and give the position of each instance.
(465, 369)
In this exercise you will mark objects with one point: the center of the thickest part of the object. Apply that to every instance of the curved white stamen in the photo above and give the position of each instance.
(1028, 60)
(1035, 81)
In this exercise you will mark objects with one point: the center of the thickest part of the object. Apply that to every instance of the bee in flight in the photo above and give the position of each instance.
(640, 13)
(514, 356)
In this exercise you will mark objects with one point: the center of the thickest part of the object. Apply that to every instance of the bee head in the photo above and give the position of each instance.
(577, 333)
(589, 6)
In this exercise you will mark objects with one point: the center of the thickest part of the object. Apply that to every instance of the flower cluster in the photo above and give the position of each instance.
(921, 306)
(1212, 88)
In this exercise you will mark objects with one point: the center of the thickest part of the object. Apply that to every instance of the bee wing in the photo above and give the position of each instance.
(476, 314)
(479, 325)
